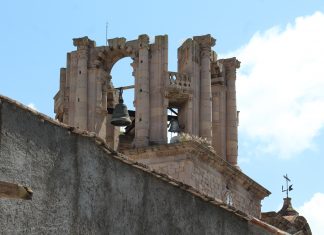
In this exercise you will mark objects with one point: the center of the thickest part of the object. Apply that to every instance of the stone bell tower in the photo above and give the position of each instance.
(201, 96)
(212, 103)
(203, 92)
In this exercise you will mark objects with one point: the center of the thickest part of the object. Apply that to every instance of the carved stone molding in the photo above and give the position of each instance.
(117, 43)
(231, 63)
(205, 41)
(83, 43)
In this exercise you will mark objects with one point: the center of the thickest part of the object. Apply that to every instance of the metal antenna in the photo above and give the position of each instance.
(288, 187)
(106, 33)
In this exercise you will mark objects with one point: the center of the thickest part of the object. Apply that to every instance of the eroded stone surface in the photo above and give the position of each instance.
(202, 90)
(81, 187)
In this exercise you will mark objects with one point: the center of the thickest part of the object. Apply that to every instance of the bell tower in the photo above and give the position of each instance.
(201, 96)
(202, 91)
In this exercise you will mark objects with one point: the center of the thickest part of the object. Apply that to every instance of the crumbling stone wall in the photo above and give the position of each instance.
(81, 187)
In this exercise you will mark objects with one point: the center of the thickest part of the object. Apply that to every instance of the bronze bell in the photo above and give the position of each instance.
(120, 116)
(174, 126)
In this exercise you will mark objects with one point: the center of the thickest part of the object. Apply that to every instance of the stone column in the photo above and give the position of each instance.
(195, 85)
(205, 123)
(71, 78)
(112, 132)
(184, 117)
(189, 64)
(60, 103)
(219, 119)
(91, 100)
(231, 115)
(142, 100)
(67, 91)
(158, 81)
(97, 101)
(81, 94)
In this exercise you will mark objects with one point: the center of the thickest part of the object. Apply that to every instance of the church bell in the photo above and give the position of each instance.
(120, 116)
(174, 126)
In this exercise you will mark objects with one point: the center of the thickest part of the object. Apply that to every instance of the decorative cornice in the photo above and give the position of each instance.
(230, 63)
(205, 41)
(203, 153)
(83, 42)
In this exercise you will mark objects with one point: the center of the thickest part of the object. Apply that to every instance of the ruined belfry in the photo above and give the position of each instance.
(202, 90)
(201, 94)
(87, 175)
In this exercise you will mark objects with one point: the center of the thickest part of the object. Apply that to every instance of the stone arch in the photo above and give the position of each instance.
(86, 88)
(112, 57)
(105, 59)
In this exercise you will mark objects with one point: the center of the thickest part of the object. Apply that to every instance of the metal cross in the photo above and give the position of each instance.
(288, 187)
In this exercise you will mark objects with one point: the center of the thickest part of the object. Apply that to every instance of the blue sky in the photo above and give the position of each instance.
(279, 87)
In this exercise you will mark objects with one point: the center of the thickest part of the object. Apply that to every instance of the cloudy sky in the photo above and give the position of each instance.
(280, 84)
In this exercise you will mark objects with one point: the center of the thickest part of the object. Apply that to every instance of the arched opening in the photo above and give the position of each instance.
(121, 77)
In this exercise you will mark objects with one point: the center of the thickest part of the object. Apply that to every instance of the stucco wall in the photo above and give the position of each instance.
(80, 188)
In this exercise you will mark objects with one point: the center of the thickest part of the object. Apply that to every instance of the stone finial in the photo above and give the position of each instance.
(83, 42)
(205, 40)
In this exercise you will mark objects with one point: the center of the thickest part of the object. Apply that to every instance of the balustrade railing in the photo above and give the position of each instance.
(178, 80)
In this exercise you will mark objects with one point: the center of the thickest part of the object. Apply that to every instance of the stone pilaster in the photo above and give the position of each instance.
(231, 115)
(189, 63)
(97, 101)
(63, 94)
(112, 132)
(205, 120)
(81, 88)
(67, 92)
(142, 94)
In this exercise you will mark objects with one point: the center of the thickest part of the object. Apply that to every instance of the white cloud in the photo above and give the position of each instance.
(280, 86)
(313, 212)
(32, 106)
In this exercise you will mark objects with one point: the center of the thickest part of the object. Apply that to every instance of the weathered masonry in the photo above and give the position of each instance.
(83, 187)
(80, 184)
(202, 90)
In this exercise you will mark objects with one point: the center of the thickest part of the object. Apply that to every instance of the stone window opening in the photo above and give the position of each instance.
(122, 76)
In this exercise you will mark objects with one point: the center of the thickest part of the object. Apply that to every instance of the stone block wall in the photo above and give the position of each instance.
(194, 165)
(211, 182)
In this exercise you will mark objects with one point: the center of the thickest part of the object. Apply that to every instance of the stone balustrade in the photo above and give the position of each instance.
(178, 80)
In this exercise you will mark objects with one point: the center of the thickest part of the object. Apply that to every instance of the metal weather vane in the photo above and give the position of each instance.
(288, 187)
